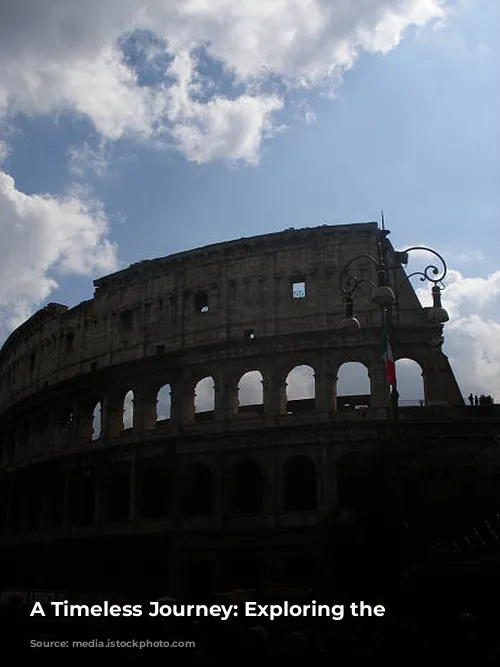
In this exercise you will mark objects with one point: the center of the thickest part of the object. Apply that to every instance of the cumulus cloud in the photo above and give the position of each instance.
(42, 237)
(473, 333)
(205, 78)
(65, 54)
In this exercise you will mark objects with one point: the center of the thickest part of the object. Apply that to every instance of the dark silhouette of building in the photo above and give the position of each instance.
(163, 495)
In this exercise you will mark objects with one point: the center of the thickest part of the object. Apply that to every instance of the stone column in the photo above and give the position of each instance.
(182, 401)
(380, 394)
(145, 402)
(83, 424)
(325, 387)
(226, 397)
(275, 398)
(111, 415)
(63, 427)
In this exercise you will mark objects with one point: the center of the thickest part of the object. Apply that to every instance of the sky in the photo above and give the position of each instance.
(131, 129)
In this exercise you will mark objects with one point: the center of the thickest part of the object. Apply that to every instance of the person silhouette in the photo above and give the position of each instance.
(476, 400)
(471, 399)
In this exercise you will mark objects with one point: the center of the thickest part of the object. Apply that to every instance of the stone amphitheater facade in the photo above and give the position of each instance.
(201, 498)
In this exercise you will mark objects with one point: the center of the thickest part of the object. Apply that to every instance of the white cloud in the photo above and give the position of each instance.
(472, 336)
(83, 159)
(68, 55)
(65, 54)
(4, 151)
(465, 257)
(43, 236)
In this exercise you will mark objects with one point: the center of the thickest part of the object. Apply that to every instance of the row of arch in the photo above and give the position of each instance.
(352, 380)
(155, 494)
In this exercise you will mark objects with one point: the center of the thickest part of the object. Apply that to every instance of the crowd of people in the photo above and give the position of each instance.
(480, 400)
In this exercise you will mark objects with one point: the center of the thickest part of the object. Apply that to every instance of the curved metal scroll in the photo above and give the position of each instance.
(438, 272)
(350, 282)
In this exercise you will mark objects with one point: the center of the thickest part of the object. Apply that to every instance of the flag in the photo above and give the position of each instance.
(390, 367)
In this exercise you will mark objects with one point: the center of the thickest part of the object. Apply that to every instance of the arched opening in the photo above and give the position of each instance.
(242, 570)
(196, 579)
(299, 570)
(198, 496)
(204, 399)
(163, 404)
(300, 390)
(410, 383)
(353, 386)
(40, 432)
(128, 410)
(247, 493)
(81, 494)
(250, 392)
(354, 480)
(300, 484)
(118, 492)
(154, 498)
(96, 422)
(64, 424)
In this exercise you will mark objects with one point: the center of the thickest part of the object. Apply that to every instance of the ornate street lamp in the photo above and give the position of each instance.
(383, 294)
(351, 279)
(437, 314)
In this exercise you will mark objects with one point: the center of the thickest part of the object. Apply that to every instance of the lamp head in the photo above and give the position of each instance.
(437, 314)
(383, 296)
(350, 324)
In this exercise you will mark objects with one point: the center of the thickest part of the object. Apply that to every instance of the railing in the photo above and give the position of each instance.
(411, 402)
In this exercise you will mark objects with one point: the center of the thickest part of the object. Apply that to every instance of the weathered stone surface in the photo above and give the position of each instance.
(217, 312)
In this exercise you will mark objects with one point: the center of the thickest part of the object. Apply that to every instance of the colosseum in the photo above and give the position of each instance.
(131, 454)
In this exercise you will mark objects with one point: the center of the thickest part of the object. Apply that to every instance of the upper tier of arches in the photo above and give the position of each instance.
(252, 293)
(195, 397)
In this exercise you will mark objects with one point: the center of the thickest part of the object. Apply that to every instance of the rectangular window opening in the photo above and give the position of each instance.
(201, 302)
(299, 289)
(126, 320)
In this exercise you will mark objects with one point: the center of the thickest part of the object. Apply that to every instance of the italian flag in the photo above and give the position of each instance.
(390, 367)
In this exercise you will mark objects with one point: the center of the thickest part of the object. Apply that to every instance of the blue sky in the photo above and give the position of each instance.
(412, 128)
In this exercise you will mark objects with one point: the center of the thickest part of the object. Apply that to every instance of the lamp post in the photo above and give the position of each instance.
(385, 294)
